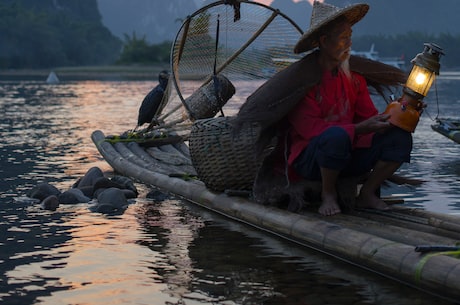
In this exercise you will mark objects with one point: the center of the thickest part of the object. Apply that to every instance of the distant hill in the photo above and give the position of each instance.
(390, 17)
(50, 33)
(159, 20)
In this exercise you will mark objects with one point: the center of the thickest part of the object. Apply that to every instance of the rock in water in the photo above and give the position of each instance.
(125, 182)
(90, 177)
(157, 195)
(73, 196)
(111, 200)
(50, 203)
(43, 190)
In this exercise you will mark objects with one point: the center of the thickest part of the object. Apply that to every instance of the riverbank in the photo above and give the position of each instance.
(147, 72)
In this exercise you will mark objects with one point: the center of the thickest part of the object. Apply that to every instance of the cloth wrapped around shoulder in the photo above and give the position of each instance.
(272, 101)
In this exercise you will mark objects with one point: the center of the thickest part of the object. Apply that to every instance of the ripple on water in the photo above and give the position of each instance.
(162, 252)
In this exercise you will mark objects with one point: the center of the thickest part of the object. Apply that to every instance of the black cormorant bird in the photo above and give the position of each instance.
(153, 100)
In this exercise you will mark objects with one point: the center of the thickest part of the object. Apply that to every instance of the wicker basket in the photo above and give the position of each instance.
(204, 103)
(224, 161)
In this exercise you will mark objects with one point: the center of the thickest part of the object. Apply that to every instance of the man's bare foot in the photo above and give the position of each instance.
(371, 201)
(329, 206)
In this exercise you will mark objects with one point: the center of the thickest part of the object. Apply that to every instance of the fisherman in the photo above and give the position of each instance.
(332, 126)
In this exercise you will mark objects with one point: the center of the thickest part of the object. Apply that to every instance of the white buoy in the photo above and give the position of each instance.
(52, 78)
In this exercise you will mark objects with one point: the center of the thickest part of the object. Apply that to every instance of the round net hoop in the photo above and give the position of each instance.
(251, 42)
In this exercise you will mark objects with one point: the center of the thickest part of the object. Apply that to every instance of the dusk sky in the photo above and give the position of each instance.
(268, 2)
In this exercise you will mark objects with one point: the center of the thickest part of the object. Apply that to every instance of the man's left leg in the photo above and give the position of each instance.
(389, 150)
(367, 197)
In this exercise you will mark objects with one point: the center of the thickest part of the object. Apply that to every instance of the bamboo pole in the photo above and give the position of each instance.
(417, 220)
(438, 220)
(400, 231)
(130, 156)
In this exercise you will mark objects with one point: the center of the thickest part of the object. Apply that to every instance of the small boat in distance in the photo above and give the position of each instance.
(374, 55)
(52, 78)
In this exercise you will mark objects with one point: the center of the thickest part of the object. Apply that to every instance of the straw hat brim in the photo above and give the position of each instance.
(352, 13)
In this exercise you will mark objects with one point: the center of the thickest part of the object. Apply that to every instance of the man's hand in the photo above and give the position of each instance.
(373, 124)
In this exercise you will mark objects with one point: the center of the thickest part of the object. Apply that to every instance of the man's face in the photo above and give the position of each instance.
(337, 43)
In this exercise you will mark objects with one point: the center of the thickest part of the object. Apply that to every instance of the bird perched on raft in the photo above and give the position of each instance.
(152, 101)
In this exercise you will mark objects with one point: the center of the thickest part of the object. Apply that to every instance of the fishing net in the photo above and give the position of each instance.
(229, 48)
(222, 54)
(245, 43)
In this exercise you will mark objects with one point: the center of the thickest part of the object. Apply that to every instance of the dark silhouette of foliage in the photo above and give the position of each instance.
(46, 33)
(139, 51)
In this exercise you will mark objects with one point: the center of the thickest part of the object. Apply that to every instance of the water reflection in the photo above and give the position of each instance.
(168, 252)
(46, 128)
(172, 253)
(31, 242)
(175, 229)
(234, 264)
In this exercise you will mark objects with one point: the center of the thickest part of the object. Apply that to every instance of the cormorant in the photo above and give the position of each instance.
(153, 100)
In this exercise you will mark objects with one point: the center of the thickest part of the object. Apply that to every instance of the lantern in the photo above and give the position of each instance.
(405, 112)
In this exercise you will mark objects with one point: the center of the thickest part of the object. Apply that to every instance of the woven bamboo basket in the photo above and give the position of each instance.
(223, 160)
(208, 100)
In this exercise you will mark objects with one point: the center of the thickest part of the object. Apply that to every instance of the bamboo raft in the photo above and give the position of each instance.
(449, 128)
(391, 243)
(397, 243)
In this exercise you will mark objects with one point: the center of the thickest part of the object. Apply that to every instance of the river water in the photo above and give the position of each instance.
(170, 252)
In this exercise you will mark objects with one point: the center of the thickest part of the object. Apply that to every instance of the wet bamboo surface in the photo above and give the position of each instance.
(382, 242)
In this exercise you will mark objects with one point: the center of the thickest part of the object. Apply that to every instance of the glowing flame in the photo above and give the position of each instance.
(420, 79)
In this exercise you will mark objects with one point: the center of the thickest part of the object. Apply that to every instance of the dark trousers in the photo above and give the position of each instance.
(333, 150)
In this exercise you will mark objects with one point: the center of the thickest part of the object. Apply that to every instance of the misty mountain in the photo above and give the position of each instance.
(391, 17)
(83, 9)
(50, 33)
(159, 20)
(299, 12)
(388, 17)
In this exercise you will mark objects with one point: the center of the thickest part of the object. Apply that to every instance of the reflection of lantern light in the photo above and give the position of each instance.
(405, 112)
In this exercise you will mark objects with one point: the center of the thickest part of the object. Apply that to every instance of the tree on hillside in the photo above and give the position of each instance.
(139, 51)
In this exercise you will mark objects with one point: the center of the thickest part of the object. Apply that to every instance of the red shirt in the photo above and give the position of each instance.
(335, 101)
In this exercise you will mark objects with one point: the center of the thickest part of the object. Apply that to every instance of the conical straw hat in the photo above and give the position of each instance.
(322, 14)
